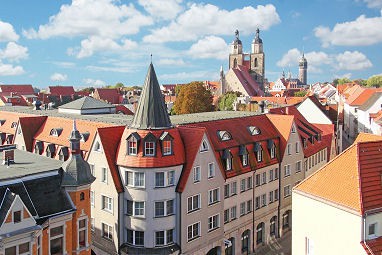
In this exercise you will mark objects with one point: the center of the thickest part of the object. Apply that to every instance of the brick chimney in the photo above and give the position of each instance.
(8, 154)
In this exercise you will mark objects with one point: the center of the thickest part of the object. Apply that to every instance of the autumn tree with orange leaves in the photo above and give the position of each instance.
(193, 98)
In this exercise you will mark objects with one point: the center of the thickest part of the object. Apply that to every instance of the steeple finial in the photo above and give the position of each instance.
(151, 58)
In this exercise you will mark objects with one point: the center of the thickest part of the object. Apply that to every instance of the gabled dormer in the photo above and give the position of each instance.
(133, 141)
(63, 154)
(85, 136)
(258, 149)
(14, 214)
(166, 141)
(271, 148)
(243, 153)
(50, 150)
(149, 145)
(38, 147)
(253, 130)
(224, 135)
(227, 159)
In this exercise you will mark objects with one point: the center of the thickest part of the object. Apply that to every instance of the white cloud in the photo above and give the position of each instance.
(345, 75)
(171, 62)
(207, 19)
(373, 3)
(353, 61)
(290, 58)
(10, 70)
(117, 69)
(362, 31)
(58, 77)
(103, 18)
(162, 9)
(7, 33)
(209, 47)
(14, 52)
(64, 64)
(93, 82)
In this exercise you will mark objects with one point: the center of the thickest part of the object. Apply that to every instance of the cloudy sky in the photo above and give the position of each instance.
(99, 42)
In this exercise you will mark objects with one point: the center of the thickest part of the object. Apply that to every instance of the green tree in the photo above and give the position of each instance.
(343, 80)
(225, 102)
(301, 93)
(193, 98)
(88, 89)
(374, 81)
(119, 85)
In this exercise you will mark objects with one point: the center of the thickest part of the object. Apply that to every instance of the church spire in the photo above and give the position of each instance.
(151, 111)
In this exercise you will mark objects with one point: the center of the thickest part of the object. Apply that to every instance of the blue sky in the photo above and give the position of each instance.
(100, 42)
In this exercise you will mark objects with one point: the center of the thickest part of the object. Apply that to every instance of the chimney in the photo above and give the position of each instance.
(8, 154)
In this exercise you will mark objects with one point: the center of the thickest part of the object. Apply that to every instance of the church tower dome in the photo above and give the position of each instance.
(303, 68)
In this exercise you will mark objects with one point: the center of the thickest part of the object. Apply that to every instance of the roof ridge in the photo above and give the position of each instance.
(359, 177)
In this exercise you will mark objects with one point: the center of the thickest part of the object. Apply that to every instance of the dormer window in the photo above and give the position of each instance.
(63, 154)
(253, 130)
(227, 157)
(244, 155)
(149, 145)
(9, 139)
(224, 135)
(204, 146)
(85, 136)
(38, 147)
(14, 125)
(16, 216)
(305, 143)
(132, 143)
(3, 136)
(272, 148)
(166, 142)
(56, 132)
(259, 152)
(293, 129)
(2, 122)
(50, 150)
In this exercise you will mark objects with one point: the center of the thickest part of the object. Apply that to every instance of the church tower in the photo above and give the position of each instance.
(236, 57)
(222, 88)
(303, 67)
(257, 59)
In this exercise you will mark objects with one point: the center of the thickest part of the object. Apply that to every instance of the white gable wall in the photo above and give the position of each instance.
(312, 113)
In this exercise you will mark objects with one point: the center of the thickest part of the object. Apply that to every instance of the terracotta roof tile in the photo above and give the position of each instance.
(110, 95)
(363, 97)
(110, 138)
(366, 137)
(247, 81)
(283, 124)
(29, 126)
(61, 90)
(20, 89)
(9, 118)
(373, 246)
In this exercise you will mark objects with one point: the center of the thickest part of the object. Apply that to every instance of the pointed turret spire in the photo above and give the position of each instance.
(76, 169)
(151, 111)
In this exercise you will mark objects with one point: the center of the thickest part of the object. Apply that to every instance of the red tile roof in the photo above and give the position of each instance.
(139, 160)
(283, 125)
(29, 127)
(10, 118)
(363, 97)
(61, 90)
(110, 95)
(20, 89)
(373, 246)
(250, 85)
(110, 138)
(352, 179)
(238, 128)
(123, 109)
(43, 134)
(192, 139)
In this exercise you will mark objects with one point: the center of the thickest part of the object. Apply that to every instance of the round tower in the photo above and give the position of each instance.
(303, 68)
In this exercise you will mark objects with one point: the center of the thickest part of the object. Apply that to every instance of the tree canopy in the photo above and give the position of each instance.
(193, 98)
(301, 93)
(374, 81)
(225, 102)
(340, 81)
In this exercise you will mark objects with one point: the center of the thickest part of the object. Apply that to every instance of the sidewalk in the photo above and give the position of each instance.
(282, 246)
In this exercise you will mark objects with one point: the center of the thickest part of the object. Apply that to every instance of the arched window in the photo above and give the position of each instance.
(235, 63)
(259, 233)
(230, 246)
(245, 241)
(255, 62)
(82, 196)
(204, 146)
(272, 229)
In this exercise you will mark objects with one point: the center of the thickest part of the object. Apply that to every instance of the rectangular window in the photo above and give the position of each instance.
(139, 208)
(149, 149)
(298, 166)
(135, 237)
(166, 148)
(242, 208)
(297, 147)
(159, 238)
(264, 178)
(193, 203)
(249, 182)
(171, 178)
(233, 188)
(197, 174)
(263, 200)
(229, 163)
(92, 198)
(159, 209)
(286, 170)
(16, 216)
(233, 213)
(276, 173)
(104, 175)
(164, 237)
(372, 229)
(82, 233)
(107, 203)
(135, 179)
(287, 191)
(211, 170)
(213, 196)
(159, 179)
(107, 231)
(273, 151)
(257, 180)
(193, 231)
(270, 175)
(259, 155)
(226, 190)
(57, 240)
(242, 185)
(169, 207)
(170, 236)
(213, 222)
(289, 150)
(276, 194)
(249, 206)
(271, 197)
(226, 216)
(132, 146)
(245, 159)
(92, 169)
(257, 203)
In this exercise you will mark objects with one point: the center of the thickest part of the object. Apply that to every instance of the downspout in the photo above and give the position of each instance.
(180, 223)
(119, 224)
(253, 210)
(364, 234)
(279, 195)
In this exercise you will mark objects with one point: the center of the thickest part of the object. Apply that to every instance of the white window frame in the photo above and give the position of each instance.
(132, 146)
(289, 150)
(107, 203)
(213, 222)
(211, 170)
(287, 171)
(92, 198)
(263, 200)
(193, 226)
(84, 228)
(149, 148)
(297, 147)
(243, 183)
(194, 207)
(259, 154)
(287, 191)
(233, 188)
(245, 159)
(109, 231)
(167, 147)
(63, 236)
(165, 208)
(134, 180)
(375, 228)
(298, 166)
(104, 175)
(214, 196)
(197, 174)
(204, 146)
